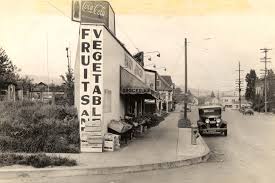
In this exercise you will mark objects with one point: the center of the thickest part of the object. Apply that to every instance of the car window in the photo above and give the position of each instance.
(210, 111)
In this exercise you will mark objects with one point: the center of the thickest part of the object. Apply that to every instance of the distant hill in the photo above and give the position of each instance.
(44, 79)
(196, 91)
(205, 92)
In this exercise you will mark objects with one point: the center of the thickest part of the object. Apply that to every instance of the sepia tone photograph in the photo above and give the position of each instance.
(124, 91)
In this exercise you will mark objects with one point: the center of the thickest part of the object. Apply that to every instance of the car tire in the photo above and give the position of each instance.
(200, 132)
(225, 133)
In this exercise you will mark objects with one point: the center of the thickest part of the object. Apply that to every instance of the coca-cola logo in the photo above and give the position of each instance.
(93, 8)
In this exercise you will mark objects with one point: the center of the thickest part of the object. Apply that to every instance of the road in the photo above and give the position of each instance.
(246, 155)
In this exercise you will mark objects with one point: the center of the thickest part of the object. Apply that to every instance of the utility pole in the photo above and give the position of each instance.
(265, 60)
(239, 82)
(185, 91)
(68, 57)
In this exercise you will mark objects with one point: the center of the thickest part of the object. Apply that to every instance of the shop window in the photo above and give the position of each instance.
(107, 106)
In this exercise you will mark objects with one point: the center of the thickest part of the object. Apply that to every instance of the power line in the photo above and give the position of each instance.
(265, 61)
(239, 85)
(59, 10)
(127, 36)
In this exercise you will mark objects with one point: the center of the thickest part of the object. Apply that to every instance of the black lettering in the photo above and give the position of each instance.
(85, 46)
(96, 90)
(96, 77)
(97, 35)
(85, 73)
(84, 120)
(85, 113)
(83, 60)
(97, 45)
(96, 66)
(96, 100)
(85, 85)
(85, 99)
(96, 119)
(97, 56)
(84, 33)
(94, 112)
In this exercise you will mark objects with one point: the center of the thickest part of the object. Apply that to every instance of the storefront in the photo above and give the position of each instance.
(109, 84)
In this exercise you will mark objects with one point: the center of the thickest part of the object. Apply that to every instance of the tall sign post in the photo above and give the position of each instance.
(91, 88)
(89, 91)
(185, 88)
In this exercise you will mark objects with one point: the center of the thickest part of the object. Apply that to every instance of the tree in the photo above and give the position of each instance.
(8, 71)
(201, 100)
(68, 84)
(271, 88)
(250, 91)
(212, 94)
(178, 96)
(178, 90)
(189, 93)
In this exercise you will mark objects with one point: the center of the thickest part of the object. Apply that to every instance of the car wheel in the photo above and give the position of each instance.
(225, 133)
(200, 132)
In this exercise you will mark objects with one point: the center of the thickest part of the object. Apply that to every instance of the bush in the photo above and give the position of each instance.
(153, 120)
(37, 161)
(35, 127)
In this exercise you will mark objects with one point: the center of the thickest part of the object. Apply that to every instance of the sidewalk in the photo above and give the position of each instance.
(164, 146)
(159, 144)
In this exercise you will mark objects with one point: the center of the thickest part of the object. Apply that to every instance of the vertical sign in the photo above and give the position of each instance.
(91, 88)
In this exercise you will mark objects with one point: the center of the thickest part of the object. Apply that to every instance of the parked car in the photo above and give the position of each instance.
(210, 120)
(242, 109)
(248, 111)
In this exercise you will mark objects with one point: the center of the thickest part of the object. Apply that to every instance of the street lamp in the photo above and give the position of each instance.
(154, 65)
(149, 57)
(158, 53)
(164, 68)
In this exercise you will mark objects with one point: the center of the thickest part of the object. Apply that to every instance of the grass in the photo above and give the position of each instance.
(34, 127)
(182, 123)
(37, 160)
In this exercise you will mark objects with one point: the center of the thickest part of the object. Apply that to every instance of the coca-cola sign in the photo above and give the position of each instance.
(95, 9)
(95, 12)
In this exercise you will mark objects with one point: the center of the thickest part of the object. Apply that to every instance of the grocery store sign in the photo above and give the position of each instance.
(91, 86)
(134, 68)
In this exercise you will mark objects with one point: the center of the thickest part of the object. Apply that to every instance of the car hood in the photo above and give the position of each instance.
(211, 116)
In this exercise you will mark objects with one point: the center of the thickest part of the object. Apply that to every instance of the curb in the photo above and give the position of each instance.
(84, 171)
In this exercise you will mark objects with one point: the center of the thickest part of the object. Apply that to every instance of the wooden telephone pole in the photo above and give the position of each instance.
(265, 61)
(185, 88)
(239, 85)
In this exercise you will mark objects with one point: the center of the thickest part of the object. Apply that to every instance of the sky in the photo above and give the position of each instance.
(220, 33)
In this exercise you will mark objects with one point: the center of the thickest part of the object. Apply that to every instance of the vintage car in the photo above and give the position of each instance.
(248, 111)
(211, 121)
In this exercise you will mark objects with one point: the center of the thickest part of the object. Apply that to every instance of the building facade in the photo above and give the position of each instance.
(232, 102)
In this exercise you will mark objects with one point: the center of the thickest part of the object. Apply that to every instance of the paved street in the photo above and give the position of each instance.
(247, 154)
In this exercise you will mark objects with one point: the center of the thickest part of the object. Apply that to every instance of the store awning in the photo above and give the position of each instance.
(130, 84)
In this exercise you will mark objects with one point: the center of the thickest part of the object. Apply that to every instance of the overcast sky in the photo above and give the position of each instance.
(238, 29)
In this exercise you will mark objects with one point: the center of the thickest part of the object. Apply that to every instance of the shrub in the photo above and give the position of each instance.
(37, 160)
(153, 120)
(36, 127)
